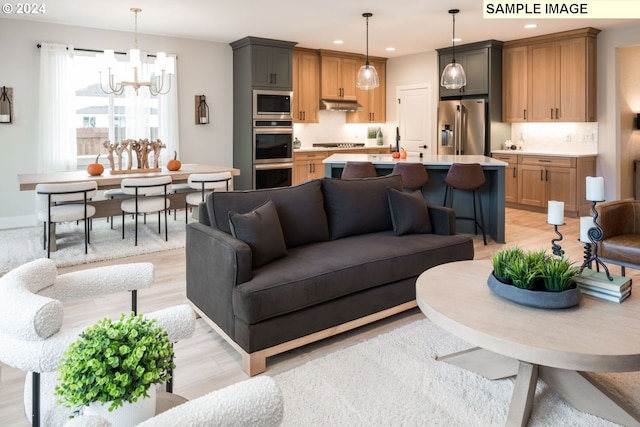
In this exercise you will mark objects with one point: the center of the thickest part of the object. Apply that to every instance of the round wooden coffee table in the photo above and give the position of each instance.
(553, 345)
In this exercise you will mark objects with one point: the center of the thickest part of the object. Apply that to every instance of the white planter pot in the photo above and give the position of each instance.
(129, 414)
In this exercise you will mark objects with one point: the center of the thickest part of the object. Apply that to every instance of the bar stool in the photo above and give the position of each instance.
(358, 170)
(414, 175)
(467, 177)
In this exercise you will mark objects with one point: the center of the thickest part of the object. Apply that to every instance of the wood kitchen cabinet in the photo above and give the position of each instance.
(544, 178)
(338, 75)
(308, 165)
(510, 176)
(373, 101)
(306, 86)
(560, 74)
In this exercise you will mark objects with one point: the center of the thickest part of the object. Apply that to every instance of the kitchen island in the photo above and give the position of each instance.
(492, 194)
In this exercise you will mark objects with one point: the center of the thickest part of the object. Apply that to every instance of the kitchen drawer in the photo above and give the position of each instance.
(512, 159)
(310, 155)
(563, 162)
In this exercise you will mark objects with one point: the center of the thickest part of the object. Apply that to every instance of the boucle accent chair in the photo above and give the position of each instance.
(31, 318)
(254, 402)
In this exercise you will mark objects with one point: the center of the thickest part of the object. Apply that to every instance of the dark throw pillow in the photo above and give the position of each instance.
(261, 230)
(409, 212)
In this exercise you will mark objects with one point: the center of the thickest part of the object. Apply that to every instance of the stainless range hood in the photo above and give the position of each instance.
(331, 105)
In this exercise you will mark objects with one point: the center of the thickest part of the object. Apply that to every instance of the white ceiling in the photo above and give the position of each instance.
(411, 26)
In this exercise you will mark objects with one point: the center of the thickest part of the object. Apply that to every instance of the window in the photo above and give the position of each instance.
(101, 117)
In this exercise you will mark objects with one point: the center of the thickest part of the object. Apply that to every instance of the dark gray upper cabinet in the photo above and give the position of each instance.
(270, 62)
(481, 61)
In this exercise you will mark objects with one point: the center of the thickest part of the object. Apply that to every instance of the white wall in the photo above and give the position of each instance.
(202, 68)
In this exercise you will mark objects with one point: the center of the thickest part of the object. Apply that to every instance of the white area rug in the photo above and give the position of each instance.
(393, 380)
(21, 245)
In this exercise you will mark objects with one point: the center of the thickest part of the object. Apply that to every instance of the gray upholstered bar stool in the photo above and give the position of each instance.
(467, 177)
(414, 175)
(358, 170)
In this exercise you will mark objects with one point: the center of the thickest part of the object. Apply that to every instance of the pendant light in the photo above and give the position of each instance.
(453, 76)
(367, 74)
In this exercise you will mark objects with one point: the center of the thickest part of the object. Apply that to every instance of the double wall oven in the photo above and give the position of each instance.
(272, 139)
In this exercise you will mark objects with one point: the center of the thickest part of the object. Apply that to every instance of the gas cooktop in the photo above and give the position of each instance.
(339, 144)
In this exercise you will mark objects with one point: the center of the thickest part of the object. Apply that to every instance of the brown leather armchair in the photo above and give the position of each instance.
(620, 222)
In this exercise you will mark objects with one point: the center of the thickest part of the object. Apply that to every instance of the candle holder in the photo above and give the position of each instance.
(587, 255)
(555, 247)
(595, 235)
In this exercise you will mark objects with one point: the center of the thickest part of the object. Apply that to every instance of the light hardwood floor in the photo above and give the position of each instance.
(205, 362)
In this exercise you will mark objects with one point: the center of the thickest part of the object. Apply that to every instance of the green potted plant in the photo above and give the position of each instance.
(502, 259)
(114, 363)
(558, 274)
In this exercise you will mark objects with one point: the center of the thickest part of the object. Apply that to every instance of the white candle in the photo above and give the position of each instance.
(595, 188)
(556, 213)
(4, 118)
(586, 223)
(203, 120)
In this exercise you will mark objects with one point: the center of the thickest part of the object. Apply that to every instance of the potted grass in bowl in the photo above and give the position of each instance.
(534, 279)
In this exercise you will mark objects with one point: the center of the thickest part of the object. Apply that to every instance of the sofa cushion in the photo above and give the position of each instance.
(261, 230)
(300, 210)
(324, 271)
(358, 206)
(409, 212)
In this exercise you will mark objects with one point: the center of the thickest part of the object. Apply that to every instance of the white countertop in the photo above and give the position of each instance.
(312, 149)
(544, 153)
(386, 159)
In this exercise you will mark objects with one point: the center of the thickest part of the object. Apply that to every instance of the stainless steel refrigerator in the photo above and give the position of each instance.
(462, 127)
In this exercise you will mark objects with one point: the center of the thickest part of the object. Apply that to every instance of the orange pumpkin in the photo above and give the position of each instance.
(174, 164)
(95, 169)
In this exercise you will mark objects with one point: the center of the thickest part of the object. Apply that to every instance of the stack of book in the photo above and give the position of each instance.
(598, 285)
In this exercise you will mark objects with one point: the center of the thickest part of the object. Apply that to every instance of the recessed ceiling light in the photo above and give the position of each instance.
(390, 49)
(338, 42)
(531, 26)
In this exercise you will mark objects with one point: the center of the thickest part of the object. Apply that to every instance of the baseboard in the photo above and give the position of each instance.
(7, 222)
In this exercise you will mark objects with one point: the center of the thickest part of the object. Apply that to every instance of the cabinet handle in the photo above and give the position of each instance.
(552, 114)
(556, 114)
(546, 175)
(524, 113)
(514, 173)
(541, 177)
(304, 115)
(544, 160)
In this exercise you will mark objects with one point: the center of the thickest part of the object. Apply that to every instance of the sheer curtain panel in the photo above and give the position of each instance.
(57, 149)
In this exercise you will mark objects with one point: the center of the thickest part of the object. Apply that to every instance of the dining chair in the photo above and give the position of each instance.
(205, 183)
(63, 203)
(150, 195)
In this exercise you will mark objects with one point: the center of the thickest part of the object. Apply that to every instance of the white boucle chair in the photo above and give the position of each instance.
(31, 317)
(254, 402)
(55, 203)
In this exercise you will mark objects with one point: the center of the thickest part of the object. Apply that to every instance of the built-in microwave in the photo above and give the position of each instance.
(272, 104)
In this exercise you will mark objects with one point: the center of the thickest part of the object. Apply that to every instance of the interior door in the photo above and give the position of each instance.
(415, 119)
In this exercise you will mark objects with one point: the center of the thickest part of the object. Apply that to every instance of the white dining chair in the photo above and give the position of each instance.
(63, 203)
(150, 195)
(205, 184)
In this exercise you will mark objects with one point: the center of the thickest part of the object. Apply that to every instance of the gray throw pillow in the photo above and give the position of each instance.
(261, 230)
(358, 206)
(409, 212)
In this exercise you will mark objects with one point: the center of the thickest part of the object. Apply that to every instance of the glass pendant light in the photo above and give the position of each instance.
(367, 74)
(453, 76)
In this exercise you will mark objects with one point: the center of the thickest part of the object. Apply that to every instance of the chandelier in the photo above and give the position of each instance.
(159, 82)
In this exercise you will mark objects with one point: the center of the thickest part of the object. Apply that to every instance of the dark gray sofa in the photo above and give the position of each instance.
(336, 264)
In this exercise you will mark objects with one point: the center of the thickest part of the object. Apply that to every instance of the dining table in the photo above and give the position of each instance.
(106, 207)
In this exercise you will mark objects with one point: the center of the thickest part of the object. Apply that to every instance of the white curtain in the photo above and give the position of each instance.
(168, 120)
(57, 148)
